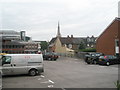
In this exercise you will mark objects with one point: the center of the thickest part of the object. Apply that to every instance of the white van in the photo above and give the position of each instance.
(31, 64)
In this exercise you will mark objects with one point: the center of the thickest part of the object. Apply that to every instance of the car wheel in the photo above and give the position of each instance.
(32, 72)
(49, 59)
(55, 59)
(88, 62)
(94, 62)
(107, 63)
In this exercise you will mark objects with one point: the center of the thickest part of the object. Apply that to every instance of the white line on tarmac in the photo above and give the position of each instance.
(51, 81)
(39, 78)
(103, 66)
(42, 76)
(45, 82)
(50, 86)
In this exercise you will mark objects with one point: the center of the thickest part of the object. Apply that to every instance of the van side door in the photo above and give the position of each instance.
(19, 65)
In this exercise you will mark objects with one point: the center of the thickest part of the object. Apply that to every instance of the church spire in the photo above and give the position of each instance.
(58, 32)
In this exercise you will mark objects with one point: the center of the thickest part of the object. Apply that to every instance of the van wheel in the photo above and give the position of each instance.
(42, 70)
(32, 72)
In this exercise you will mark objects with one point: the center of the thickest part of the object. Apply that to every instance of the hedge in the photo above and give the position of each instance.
(88, 50)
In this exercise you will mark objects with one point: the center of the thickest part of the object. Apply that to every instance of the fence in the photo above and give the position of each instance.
(66, 54)
(81, 55)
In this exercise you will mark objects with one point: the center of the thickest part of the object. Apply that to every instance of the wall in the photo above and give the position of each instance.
(63, 50)
(106, 41)
(58, 47)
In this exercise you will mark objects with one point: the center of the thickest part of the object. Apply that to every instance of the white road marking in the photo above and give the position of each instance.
(51, 81)
(42, 76)
(39, 78)
(103, 66)
(50, 86)
(92, 65)
(45, 82)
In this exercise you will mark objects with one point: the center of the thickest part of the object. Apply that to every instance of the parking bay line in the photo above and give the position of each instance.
(50, 86)
(49, 81)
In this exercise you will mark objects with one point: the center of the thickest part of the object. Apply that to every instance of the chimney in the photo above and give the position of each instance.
(67, 36)
(71, 36)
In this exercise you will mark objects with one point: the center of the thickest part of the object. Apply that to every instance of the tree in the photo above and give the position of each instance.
(82, 46)
(44, 45)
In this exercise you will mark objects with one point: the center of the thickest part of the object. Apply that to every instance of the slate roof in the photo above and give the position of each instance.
(68, 40)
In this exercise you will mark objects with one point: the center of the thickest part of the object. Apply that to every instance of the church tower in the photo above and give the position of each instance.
(58, 32)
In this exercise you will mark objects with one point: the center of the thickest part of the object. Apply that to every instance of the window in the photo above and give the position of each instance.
(6, 60)
(70, 46)
(117, 43)
(88, 45)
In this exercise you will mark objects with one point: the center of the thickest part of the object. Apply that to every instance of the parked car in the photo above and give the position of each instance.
(92, 58)
(108, 60)
(50, 56)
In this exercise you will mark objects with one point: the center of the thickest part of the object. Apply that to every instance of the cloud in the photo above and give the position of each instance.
(39, 17)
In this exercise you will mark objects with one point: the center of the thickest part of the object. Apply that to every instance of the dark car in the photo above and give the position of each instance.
(108, 60)
(50, 56)
(92, 58)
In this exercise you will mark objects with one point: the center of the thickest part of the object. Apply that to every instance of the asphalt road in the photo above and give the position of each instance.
(66, 73)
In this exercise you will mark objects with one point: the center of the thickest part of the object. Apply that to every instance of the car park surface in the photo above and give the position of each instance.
(67, 73)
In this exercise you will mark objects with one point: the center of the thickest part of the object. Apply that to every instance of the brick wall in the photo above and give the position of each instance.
(106, 41)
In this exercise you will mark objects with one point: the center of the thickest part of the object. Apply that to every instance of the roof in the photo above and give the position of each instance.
(68, 40)
(53, 40)
(8, 32)
(13, 43)
(9, 35)
(116, 19)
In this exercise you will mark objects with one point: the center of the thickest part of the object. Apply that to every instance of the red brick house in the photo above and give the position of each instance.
(109, 41)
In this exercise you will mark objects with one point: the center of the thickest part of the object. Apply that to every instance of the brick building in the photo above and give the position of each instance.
(108, 42)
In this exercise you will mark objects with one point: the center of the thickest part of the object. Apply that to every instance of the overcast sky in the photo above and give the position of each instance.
(39, 18)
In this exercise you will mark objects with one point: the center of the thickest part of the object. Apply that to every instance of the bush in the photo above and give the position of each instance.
(117, 84)
(88, 50)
